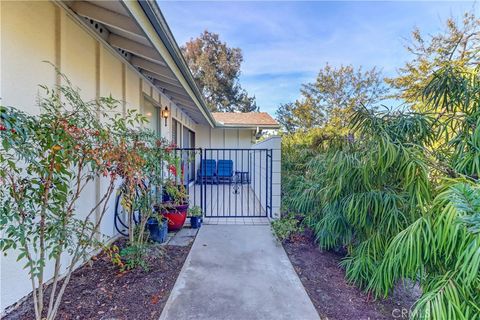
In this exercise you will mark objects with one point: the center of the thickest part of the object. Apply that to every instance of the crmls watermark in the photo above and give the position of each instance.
(404, 313)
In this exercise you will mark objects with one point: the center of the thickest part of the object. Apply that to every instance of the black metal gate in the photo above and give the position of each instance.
(229, 182)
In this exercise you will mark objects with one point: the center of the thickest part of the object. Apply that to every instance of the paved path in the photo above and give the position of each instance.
(238, 272)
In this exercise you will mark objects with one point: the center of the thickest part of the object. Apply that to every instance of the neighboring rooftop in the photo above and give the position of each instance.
(245, 119)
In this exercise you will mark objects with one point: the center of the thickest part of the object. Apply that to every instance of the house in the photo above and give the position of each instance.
(126, 49)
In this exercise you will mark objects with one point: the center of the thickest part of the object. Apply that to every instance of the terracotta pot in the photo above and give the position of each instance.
(176, 216)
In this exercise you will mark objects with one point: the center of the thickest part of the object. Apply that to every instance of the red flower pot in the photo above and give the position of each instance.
(176, 216)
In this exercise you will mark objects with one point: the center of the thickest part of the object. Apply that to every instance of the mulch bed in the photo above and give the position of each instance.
(99, 291)
(332, 296)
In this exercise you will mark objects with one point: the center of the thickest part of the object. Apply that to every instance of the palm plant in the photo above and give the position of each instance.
(453, 95)
(360, 193)
(401, 195)
(441, 249)
(373, 188)
(440, 252)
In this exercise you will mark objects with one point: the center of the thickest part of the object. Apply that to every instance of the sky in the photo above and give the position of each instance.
(284, 44)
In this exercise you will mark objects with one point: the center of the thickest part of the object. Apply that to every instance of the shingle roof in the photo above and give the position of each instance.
(253, 119)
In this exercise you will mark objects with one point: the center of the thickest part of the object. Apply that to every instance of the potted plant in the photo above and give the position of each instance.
(195, 214)
(158, 229)
(174, 205)
(154, 152)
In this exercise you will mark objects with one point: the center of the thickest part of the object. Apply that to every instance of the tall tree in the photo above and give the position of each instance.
(457, 45)
(330, 101)
(216, 69)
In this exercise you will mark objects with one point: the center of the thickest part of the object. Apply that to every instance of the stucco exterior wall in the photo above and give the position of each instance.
(224, 138)
(219, 138)
(274, 143)
(36, 31)
(24, 24)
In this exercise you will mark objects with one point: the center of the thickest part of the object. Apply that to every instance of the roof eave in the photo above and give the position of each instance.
(248, 126)
(155, 17)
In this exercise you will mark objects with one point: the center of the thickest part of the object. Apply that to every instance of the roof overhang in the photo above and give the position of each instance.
(140, 34)
(245, 120)
(167, 41)
(247, 126)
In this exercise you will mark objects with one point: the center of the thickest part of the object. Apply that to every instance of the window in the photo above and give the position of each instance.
(192, 139)
(175, 135)
(188, 139)
(151, 112)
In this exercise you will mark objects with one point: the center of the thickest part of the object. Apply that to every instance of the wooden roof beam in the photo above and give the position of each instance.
(164, 80)
(137, 49)
(186, 101)
(165, 73)
(172, 88)
(106, 17)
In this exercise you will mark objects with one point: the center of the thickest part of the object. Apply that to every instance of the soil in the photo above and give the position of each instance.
(324, 281)
(98, 290)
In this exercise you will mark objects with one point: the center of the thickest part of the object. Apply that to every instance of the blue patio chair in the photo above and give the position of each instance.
(207, 171)
(225, 171)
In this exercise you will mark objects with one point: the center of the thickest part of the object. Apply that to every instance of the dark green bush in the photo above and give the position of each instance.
(285, 227)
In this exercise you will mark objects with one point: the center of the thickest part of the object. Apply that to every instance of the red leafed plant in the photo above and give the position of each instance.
(46, 164)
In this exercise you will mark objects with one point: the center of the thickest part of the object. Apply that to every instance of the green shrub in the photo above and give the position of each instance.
(47, 161)
(134, 256)
(285, 227)
(401, 195)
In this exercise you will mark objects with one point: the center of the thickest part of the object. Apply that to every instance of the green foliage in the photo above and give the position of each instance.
(454, 95)
(285, 227)
(329, 102)
(46, 162)
(195, 211)
(134, 255)
(458, 44)
(439, 251)
(442, 248)
(146, 164)
(401, 195)
(216, 69)
(472, 222)
(368, 190)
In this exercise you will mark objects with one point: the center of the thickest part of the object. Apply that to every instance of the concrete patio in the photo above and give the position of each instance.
(238, 272)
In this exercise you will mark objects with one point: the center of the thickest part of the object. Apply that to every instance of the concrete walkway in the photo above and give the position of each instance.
(238, 272)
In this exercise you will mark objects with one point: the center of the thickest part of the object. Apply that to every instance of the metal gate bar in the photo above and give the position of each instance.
(240, 187)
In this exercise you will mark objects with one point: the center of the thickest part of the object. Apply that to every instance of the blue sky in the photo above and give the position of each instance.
(284, 44)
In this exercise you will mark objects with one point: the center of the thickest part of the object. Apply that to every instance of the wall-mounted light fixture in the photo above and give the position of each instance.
(165, 114)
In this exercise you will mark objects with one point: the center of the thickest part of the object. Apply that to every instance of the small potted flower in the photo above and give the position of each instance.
(195, 214)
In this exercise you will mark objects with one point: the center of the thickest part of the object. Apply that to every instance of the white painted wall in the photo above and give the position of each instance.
(220, 138)
(36, 31)
(254, 162)
(224, 138)
(259, 186)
